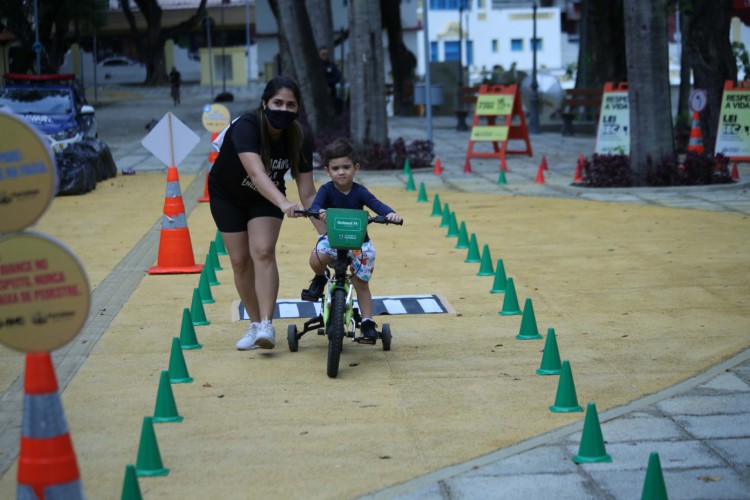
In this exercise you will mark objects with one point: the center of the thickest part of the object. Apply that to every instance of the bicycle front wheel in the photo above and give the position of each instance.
(336, 331)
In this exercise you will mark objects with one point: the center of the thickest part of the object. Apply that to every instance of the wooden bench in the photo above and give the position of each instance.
(581, 105)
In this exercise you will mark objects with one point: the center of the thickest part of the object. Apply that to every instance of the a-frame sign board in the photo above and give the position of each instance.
(500, 106)
(733, 134)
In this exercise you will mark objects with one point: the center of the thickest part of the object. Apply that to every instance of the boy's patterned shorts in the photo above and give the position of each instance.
(362, 261)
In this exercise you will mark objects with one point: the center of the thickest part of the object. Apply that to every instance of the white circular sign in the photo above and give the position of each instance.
(698, 100)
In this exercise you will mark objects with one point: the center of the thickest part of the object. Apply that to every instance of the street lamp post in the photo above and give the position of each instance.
(534, 127)
(209, 24)
(224, 96)
(461, 111)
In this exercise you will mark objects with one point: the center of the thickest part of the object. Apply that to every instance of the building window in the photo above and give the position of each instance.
(516, 45)
(448, 4)
(494, 45)
(538, 44)
(469, 52)
(451, 51)
(434, 51)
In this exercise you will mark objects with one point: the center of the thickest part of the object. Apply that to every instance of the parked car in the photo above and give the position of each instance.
(54, 104)
(119, 69)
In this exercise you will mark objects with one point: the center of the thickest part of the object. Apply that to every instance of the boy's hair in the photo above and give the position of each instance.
(340, 148)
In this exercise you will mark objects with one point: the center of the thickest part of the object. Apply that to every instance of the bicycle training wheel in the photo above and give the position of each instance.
(336, 331)
(291, 338)
(385, 337)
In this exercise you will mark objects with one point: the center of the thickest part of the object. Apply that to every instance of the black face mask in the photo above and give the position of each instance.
(280, 119)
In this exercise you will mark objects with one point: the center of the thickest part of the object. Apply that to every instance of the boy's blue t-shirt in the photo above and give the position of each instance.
(357, 198)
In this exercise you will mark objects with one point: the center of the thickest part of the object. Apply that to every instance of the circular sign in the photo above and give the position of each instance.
(44, 293)
(28, 175)
(698, 100)
(215, 117)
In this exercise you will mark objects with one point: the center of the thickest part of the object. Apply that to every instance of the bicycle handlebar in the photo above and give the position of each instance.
(378, 219)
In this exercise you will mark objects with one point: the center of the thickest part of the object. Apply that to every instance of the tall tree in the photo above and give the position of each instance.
(601, 56)
(403, 62)
(321, 20)
(151, 46)
(648, 84)
(366, 74)
(295, 30)
(711, 57)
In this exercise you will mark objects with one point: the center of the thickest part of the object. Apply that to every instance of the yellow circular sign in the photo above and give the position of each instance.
(215, 117)
(28, 175)
(44, 293)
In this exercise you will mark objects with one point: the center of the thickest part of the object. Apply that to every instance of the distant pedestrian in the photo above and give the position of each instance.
(333, 77)
(175, 79)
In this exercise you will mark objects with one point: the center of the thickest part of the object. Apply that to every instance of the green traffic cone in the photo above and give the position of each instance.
(529, 330)
(166, 408)
(591, 449)
(214, 256)
(178, 372)
(498, 286)
(410, 183)
(436, 210)
(205, 289)
(472, 255)
(463, 237)
(149, 458)
(196, 311)
(551, 364)
(210, 272)
(501, 178)
(221, 249)
(407, 167)
(510, 301)
(654, 487)
(566, 400)
(188, 340)
(422, 197)
(130, 488)
(446, 220)
(485, 268)
(452, 227)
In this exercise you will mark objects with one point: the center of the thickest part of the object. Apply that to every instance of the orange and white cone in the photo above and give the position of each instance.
(212, 154)
(47, 465)
(438, 167)
(175, 246)
(735, 172)
(578, 175)
(540, 175)
(695, 144)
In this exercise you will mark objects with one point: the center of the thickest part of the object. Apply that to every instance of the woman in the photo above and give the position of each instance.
(248, 199)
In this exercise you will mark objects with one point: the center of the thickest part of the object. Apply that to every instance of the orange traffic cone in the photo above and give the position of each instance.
(47, 465)
(696, 136)
(540, 175)
(578, 176)
(543, 165)
(205, 197)
(175, 247)
(212, 155)
(438, 167)
(735, 172)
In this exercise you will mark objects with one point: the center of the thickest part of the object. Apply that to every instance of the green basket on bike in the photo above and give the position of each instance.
(346, 228)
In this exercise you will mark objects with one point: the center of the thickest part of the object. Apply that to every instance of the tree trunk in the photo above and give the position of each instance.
(365, 68)
(601, 56)
(648, 84)
(295, 28)
(403, 62)
(321, 20)
(711, 58)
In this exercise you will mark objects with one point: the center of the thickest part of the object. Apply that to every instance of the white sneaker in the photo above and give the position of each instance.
(265, 337)
(247, 342)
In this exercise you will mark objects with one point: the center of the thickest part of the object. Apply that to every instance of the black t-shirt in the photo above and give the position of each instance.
(228, 175)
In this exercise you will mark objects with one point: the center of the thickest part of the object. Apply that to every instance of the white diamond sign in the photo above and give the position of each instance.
(170, 140)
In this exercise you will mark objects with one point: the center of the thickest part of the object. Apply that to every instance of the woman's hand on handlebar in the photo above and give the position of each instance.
(291, 209)
(321, 215)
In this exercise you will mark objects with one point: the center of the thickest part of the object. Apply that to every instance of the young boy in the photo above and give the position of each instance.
(343, 192)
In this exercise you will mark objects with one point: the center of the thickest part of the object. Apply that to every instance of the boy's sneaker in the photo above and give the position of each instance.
(369, 331)
(247, 342)
(317, 288)
(265, 338)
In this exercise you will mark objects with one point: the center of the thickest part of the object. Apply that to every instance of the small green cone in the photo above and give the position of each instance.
(188, 340)
(130, 488)
(463, 237)
(529, 330)
(149, 458)
(210, 272)
(220, 248)
(566, 400)
(446, 220)
(498, 286)
(551, 364)
(501, 178)
(485, 268)
(214, 256)
(166, 408)
(178, 372)
(205, 289)
(452, 227)
(422, 197)
(591, 449)
(654, 487)
(472, 255)
(410, 183)
(436, 210)
(510, 301)
(196, 311)
(407, 167)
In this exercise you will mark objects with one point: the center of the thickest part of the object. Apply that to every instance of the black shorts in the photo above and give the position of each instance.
(232, 217)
